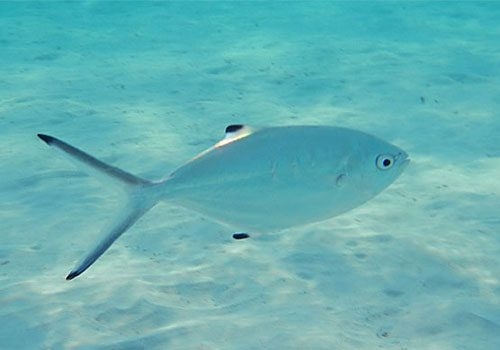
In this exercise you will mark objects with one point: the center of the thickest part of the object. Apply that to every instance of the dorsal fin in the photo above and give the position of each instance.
(234, 132)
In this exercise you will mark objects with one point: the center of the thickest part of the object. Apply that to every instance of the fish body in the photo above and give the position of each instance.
(262, 180)
(285, 176)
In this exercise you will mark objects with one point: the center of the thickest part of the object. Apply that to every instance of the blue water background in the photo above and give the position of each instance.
(147, 85)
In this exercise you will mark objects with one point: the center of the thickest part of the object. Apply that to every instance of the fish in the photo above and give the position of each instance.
(261, 180)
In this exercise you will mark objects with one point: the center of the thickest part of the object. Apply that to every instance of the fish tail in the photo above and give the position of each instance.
(141, 196)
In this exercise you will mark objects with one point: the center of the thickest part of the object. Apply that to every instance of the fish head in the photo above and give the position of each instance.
(375, 165)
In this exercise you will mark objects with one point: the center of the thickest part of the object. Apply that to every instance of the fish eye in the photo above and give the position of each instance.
(385, 161)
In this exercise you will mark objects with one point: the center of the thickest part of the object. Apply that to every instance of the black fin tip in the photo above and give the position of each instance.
(240, 235)
(233, 128)
(72, 275)
(46, 138)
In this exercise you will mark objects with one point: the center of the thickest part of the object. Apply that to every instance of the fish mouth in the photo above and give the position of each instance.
(403, 159)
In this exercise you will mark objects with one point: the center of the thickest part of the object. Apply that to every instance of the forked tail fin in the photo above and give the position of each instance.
(140, 198)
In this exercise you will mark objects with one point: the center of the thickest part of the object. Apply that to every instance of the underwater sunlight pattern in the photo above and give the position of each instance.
(146, 86)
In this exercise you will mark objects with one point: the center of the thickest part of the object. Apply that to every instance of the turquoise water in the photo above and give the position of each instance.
(146, 86)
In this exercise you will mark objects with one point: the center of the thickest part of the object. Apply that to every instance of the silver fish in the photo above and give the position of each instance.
(260, 180)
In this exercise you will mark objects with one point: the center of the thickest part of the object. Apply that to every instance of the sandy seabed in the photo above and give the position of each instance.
(145, 86)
